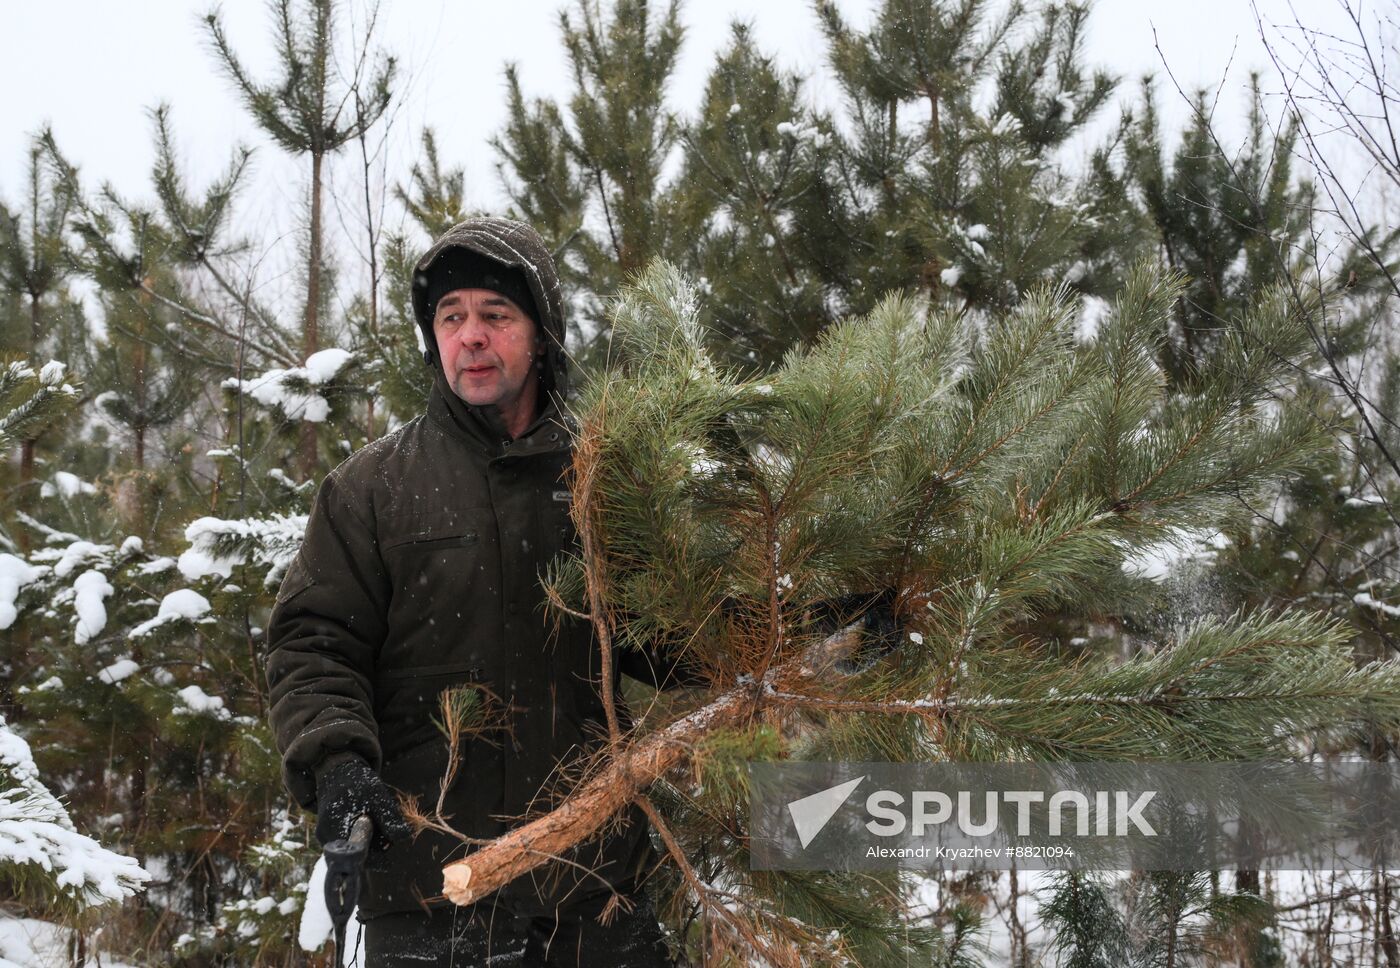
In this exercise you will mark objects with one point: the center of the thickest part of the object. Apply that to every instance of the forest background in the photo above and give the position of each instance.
(228, 322)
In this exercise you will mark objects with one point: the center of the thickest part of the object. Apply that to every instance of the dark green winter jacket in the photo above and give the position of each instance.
(419, 572)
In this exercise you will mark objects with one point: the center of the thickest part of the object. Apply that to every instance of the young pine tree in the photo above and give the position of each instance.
(980, 477)
(305, 114)
(33, 266)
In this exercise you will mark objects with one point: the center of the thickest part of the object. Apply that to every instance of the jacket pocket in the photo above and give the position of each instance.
(443, 576)
(456, 527)
(428, 541)
(418, 672)
(407, 704)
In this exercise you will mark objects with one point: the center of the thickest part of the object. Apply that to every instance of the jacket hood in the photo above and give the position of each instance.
(519, 246)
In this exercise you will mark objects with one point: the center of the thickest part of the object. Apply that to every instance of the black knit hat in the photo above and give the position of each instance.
(463, 269)
(520, 249)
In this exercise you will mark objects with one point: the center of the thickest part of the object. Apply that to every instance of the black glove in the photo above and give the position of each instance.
(346, 787)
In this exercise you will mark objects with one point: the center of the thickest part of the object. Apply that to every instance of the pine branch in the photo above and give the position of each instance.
(31, 401)
(975, 491)
(627, 773)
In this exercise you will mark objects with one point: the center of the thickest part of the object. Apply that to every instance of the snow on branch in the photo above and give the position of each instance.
(29, 401)
(218, 544)
(181, 605)
(38, 839)
(295, 391)
(15, 573)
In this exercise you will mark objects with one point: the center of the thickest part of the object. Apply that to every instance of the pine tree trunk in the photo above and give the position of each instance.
(887, 179)
(77, 948)
(138, 803)
(1020, 954)
(1385, 927)
(373, 313)
(935, 124)
(142, 385)
(26, 461)
(309, 333)
(26, 476)
(313, 266)
(26, 447)
(1379, 747)
(19, 641)
(1247, 882)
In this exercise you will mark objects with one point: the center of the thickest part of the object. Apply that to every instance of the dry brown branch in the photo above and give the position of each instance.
(456, 712)
(582, 481)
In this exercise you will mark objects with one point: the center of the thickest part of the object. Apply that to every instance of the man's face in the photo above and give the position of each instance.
(487, 345)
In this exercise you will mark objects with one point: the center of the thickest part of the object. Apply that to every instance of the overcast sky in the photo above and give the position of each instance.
(92, 68)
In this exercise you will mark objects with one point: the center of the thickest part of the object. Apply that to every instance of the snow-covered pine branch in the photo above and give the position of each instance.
(44, 860)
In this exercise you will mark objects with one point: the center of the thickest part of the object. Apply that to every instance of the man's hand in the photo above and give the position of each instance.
(346, 787)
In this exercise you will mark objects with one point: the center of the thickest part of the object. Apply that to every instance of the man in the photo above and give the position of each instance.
(419, 572)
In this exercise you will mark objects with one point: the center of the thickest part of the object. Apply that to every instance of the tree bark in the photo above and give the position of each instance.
(26, 447)
(309, 329)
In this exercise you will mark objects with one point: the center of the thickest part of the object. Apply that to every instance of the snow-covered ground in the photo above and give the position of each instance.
(1325, 917)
